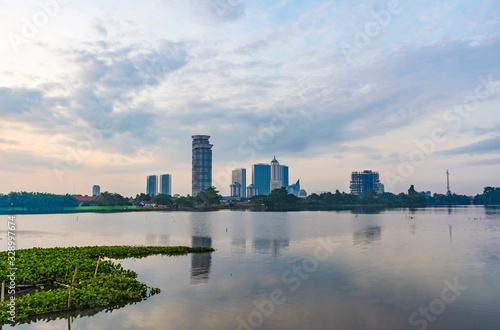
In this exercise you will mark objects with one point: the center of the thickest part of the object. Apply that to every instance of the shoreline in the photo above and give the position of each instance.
(250, 207)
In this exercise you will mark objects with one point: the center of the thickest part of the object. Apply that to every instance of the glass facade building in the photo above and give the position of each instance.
(284, 175)
(261, 178)
(152, 185)
(165, 184)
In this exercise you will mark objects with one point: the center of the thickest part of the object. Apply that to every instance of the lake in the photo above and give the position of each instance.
(430, 268)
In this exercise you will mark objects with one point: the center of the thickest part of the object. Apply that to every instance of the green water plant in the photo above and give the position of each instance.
(44, 277)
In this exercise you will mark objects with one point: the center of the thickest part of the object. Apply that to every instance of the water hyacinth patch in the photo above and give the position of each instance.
(47, 273)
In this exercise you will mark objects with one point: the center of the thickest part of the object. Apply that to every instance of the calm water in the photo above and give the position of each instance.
(396, 269)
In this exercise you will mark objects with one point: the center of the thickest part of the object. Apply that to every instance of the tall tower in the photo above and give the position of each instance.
(201, 163)
(284, 175)
(152, 185)
(448, 191)
(165, 184)
(276, 182)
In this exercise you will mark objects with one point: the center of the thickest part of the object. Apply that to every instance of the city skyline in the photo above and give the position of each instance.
(110, 93)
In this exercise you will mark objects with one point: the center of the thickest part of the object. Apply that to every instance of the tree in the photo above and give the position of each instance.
(490, 196)
(258, 199)
(209, 196)
(414, 198)
(112, 199)
(162, 199)
(185, 201)
(279, 198)
(142, 197)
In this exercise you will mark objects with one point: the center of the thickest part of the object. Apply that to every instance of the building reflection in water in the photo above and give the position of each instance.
(238, 245)
(200, 262)
(413, 230)
(367, 235)
(159, 240)
(274, 246)
(272, 236)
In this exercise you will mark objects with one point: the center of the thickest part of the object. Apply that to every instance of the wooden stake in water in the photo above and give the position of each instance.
(95, 273)
(71, 287)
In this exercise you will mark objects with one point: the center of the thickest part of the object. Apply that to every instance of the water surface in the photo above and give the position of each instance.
(296, 270)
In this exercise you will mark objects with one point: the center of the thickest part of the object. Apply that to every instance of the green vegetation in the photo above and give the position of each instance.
(209, 196)
(51, 271)
(112, 199)
(162, 200)
(209, 199)
(490, 196)
(279, 199)
(99, 208)
(34, 201)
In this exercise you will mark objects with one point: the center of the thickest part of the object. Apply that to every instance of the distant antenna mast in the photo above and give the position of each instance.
(448, 182)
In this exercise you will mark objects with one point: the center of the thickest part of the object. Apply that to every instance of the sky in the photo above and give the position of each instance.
(108, 92)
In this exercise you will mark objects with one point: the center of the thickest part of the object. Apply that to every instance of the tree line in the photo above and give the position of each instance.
(278, 199)
(36, 201)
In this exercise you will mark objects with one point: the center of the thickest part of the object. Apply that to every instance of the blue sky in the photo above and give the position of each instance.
(110, 92)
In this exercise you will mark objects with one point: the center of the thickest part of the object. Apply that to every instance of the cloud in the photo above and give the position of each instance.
(488, 146)
(220, 11)
(19, 100)
(484, 162)
(8, 141)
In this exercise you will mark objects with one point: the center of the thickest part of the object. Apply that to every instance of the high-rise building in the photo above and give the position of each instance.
(276, 181)
(284, 175)
(165, 184)
(294, 188)
(261, 178)
(201, 164)
(252, 191)
(236, 189)
(96, 190)
(152, 185)
(362, 182)
(240, 175)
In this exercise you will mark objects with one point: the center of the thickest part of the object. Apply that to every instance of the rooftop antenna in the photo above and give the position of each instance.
(448, 192)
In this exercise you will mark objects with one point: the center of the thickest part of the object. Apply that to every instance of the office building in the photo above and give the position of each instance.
(252, 191)
(201, 163)
(152, 185)
(284, 175)
(294, 188)
(362, 182)
(276, 181)
(302, 193)
(261, 178)
(96, 190)
(236, 189)
(165, 184)
(240, 175)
